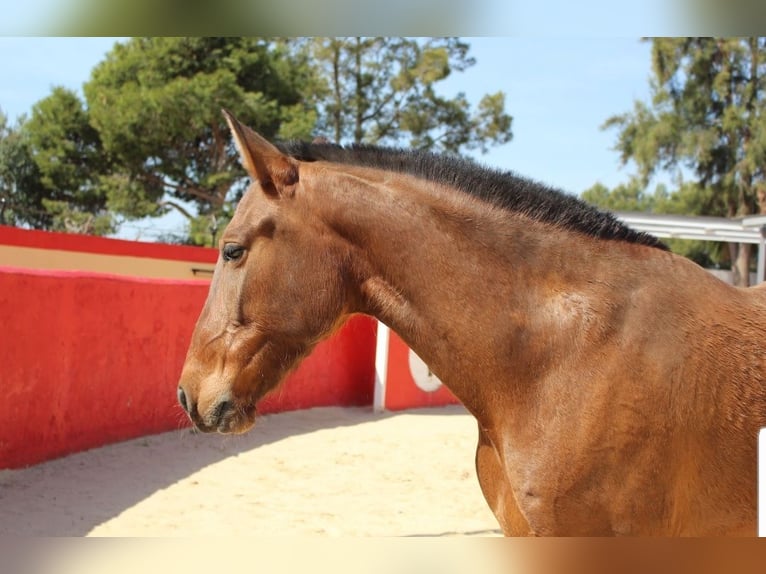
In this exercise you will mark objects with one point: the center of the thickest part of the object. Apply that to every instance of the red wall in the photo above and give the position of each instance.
(87, 359)
(401, 390)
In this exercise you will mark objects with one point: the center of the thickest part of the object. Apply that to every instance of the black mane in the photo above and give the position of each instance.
(503, 189)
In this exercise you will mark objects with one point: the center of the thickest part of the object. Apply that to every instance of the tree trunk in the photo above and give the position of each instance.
(359, 103)
(740, 266)
(337, 112)
(760, 194)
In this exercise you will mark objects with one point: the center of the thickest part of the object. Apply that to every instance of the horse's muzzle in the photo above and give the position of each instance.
(223, 416)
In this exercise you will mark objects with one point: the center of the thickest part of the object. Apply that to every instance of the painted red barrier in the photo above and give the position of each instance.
(87, 359)
(406, 380)
(339, 372)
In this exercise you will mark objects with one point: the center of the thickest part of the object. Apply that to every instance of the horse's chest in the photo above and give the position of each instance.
(564, 498)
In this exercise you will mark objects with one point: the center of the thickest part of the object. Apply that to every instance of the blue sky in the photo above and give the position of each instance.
(559, 91)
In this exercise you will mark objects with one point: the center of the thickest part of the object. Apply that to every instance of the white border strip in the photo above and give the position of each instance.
(381, 368)
(762, 483)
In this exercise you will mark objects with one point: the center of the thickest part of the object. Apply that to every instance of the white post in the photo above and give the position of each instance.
(761, 274)
(762, 483)
(381, 368)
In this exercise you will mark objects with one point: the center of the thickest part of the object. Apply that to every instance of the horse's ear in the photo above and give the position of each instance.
(274, 171)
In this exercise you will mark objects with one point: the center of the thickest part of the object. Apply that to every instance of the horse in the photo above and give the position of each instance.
(618, 388)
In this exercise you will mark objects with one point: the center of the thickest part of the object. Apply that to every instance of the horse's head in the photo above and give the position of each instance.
(278, 288)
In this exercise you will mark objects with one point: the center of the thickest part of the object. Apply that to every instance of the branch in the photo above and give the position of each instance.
(379, 108)
(177, 206)
(195, 191)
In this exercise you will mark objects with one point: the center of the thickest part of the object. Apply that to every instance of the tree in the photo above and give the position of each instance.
(707, 115)
(20, 186)
(151, 137)
(625, 197)
(156, 103)
(71, 162)
(380, 90)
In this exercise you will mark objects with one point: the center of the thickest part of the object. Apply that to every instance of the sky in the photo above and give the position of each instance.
(559, 90)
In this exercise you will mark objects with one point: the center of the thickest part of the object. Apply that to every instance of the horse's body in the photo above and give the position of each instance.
(618, 388)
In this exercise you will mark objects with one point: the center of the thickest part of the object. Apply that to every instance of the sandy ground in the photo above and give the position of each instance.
(325, 471)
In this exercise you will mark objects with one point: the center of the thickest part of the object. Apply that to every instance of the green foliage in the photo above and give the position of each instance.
(50, 169)
(151, 137)
(206, 229)
(382, 90)
(707, 117)
(156, 103)
(71, 163)
(67, 217)
(67, 149)
(127, 197)
(20, 187)
(625, 197)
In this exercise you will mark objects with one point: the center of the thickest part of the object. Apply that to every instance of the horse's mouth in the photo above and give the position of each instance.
(238, 426)
(226, 418)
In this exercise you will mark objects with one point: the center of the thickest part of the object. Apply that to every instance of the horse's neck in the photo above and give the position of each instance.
(453, 276)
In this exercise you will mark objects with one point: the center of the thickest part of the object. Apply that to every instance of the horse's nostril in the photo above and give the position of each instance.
(220, 411)
(182, 399)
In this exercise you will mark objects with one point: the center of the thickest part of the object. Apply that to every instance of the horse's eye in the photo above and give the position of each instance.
(232, 252)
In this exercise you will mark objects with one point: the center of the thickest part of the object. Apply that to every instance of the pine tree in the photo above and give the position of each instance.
(384, 91)
(708, 117)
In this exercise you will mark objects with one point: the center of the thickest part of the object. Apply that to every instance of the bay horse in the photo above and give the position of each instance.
(618, 388)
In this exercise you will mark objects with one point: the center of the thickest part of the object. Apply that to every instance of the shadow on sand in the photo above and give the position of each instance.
(70, 496)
